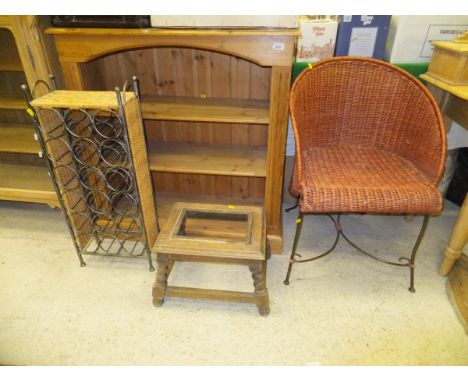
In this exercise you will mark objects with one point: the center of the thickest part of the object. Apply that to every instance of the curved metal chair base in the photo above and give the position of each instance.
(403, 261)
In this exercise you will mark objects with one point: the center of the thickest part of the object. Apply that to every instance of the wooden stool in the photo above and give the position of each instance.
(213, 233)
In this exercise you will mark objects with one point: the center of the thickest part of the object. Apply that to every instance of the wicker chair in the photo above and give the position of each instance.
(369, 139)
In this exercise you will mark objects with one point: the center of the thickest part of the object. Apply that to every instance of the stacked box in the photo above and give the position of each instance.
(317, 40)
(362, 35)
(229, 21)
(410, 38)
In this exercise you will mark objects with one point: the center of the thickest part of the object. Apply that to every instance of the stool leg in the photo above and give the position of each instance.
(258, 270)
(160, 285)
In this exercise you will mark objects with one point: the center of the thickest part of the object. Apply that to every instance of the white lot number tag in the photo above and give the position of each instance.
(278, 46)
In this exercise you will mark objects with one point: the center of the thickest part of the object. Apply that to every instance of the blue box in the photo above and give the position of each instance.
(362, 35)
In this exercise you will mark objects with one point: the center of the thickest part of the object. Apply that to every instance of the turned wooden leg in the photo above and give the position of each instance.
(258, 270)
(457, 241)
(160, 285)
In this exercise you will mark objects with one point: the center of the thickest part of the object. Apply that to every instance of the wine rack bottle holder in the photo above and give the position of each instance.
(92, 168)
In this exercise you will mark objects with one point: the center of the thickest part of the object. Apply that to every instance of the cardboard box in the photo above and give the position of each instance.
(233, 21)
(410, 37)
(317, 40)
(362, 35)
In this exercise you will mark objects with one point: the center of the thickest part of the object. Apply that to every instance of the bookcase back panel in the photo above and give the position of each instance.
(239, 187)
(207, 133)
(180, 72)
(10, 87)
(185, 72)
(15, 116)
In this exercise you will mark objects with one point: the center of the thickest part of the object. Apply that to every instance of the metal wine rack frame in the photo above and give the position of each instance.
(97, 172)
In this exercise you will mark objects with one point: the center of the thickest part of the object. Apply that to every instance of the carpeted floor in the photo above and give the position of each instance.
(342, 310)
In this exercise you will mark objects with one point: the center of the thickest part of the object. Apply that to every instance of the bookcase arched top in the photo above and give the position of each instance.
(263, 47)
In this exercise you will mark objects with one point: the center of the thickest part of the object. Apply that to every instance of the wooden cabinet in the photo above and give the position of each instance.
(23, 60)
(215, 105)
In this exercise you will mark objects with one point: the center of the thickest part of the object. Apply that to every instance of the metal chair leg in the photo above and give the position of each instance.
(404, 261)
(299, 221)
(412, 264)
(294, 206)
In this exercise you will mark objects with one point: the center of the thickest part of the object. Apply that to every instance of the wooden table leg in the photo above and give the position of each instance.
(457, 241)
(160, 285)
(457, 290)
(258, 270)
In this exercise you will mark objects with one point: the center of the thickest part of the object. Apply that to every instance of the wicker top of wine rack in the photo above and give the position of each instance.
(81, 99)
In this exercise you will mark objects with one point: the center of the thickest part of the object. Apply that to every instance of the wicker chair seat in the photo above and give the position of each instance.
(349, 178)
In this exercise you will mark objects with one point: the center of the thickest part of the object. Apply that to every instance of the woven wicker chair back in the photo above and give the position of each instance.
(369, 103)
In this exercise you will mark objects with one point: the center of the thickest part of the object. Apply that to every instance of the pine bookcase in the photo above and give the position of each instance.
(214, 102)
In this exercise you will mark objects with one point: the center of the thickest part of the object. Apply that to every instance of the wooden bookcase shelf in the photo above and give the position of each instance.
(24, 58)
(208, 159)
(18, 138)
(205, 109)
(15, 102)
(215, 105)
(26, 184)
